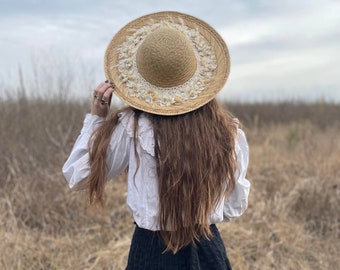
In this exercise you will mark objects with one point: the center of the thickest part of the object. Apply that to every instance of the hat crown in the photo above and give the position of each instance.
(166, 58)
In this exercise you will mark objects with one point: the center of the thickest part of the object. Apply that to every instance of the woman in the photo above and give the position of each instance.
(186, 158)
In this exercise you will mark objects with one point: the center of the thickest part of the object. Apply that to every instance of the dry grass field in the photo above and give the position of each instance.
(292, 221)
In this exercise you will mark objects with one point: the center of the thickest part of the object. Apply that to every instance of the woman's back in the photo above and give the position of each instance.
(182, 181)
(186, 157)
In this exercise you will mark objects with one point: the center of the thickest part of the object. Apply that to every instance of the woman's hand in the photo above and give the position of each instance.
(102, 99)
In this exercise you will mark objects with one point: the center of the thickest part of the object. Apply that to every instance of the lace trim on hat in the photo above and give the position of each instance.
(137, 86)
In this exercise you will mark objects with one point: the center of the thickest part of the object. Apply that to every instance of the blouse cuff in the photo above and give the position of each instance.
(91, 122)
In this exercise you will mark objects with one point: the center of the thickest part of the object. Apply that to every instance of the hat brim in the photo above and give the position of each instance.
(218, 79)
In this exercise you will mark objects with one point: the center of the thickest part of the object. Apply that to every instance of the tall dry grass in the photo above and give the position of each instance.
(293, 216)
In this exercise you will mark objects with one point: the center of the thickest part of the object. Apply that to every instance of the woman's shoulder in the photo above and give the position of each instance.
(125, 115)
(127, 118)
(145, 133)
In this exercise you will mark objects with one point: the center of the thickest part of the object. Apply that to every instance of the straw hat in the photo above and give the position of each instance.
(167, 63)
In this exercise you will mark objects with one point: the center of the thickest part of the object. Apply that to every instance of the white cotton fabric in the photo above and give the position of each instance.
(142, 195)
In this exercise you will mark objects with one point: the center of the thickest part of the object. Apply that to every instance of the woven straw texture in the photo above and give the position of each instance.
(166, 58)
(215, 83)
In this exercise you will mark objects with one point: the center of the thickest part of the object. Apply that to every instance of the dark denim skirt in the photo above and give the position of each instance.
(146, 253)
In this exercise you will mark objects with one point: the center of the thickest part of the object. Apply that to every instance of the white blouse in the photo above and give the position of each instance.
(142, 195)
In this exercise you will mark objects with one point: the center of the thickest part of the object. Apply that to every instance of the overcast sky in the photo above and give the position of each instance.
(280, 50)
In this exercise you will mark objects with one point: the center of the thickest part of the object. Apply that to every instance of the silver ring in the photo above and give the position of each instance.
(103, 102)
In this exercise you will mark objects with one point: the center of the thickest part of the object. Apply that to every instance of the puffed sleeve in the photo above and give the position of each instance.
(77, 167)
(237, 203)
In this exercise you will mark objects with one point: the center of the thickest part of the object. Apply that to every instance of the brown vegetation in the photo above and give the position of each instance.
(293, 216)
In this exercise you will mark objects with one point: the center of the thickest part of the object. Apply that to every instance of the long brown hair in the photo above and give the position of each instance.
(195, 161)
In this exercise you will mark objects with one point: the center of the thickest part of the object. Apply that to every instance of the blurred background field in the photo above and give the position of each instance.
(292, 221)
(51, 54)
